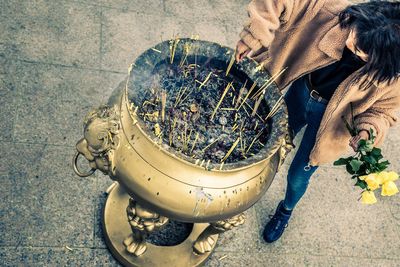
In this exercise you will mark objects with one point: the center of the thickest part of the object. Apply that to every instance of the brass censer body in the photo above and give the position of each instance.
(154, 184)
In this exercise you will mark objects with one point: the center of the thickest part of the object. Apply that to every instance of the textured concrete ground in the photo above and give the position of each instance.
(61, 58)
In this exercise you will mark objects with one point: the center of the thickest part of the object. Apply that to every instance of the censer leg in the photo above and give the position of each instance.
(205, 242)
(142, 222)
(125, 232)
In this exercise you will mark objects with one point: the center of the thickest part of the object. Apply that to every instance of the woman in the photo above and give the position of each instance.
(335, 54)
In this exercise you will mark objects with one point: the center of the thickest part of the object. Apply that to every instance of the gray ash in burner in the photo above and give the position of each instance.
(207, 114)
(172, 234)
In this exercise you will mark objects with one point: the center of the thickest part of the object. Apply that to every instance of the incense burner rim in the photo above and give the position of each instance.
(247, 66)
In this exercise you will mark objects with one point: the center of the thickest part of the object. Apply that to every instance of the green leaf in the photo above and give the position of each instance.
(370, 159)
(349, 168)
(355, 164)
(341, 161)
(376, 151)
(369, 146)
(382, 165)
(361, 184)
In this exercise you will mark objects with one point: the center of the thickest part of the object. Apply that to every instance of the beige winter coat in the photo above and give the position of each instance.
(304, 35)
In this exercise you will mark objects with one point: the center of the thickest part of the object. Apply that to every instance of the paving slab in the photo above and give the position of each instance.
(227, 259)
(46, 256)
(7, 96)
(52, 101)
(62, 32)
(126, 34)
(45, 203)
(329, 220)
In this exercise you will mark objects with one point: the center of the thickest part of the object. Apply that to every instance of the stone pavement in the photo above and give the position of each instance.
(59, 59)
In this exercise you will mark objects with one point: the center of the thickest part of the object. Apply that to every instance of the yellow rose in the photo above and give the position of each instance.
(389, 189)
(385, 176)
(368, 197)
(372, 180)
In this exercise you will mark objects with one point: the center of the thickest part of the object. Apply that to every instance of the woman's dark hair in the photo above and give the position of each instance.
(377, 27)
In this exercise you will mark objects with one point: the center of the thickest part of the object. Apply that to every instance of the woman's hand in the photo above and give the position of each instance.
(242, 50)
(363, 134)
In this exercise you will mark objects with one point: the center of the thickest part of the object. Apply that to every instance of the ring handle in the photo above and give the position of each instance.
(76, 170)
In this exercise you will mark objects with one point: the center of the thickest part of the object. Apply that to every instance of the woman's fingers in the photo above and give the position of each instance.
(354, 142)
(241, 51)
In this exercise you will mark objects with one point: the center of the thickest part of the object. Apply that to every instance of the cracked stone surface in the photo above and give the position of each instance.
(59, 59)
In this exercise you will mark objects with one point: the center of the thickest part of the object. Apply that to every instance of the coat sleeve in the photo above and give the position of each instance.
(266, 16)
(264, 20)
(382, 115)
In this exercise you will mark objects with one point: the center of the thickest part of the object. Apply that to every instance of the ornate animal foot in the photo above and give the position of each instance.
(205, 241)
(142, 222)
(135, 244)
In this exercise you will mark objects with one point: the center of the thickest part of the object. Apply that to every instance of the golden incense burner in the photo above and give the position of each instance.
(154, 183)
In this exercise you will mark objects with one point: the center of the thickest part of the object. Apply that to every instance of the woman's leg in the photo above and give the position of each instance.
(302, 110)
(296, 101)
(299, 173)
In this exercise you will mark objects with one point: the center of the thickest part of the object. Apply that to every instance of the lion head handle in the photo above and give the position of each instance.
(101, 127)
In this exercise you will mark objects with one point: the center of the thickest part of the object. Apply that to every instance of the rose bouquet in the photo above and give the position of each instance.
(368, 167)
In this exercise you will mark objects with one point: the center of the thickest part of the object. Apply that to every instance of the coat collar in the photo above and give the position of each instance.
(334, 41)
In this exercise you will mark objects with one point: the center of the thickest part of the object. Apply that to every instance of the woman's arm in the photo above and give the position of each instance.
(264, 19)
(267, 16)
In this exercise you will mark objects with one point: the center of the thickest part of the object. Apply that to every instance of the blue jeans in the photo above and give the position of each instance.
(303, 110)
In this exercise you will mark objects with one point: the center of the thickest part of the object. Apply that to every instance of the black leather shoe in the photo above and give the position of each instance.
(275, 227)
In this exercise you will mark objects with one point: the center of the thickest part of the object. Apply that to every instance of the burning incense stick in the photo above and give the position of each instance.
(207, 164)
(186, 48)
(202, 162)
(158, 51)
(222, 165)
(235, 127)
(194, 142)
(187, 95)
(275, 108)
(220, 100)
(228, 109)
(163, 103)
(145, 103)
(179, 97)
(231, 62)
(248, 93)
(172, 48)
(205, 81)
(256, 105)
(245, 110)
(255, 139)
(216, 140)
(231, 149)
(258, 116)
(241, 91)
